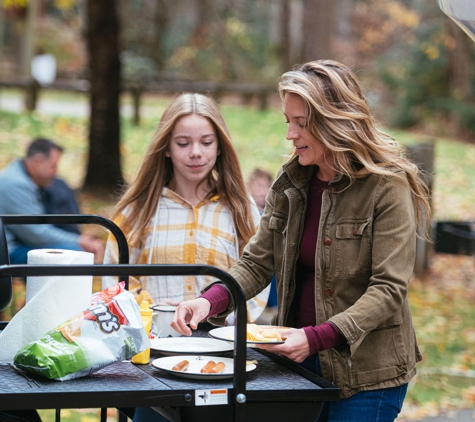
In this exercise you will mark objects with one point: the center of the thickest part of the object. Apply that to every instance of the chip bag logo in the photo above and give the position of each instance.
(109, 316)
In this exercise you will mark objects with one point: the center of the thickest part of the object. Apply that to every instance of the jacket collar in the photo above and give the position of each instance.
(299, 176)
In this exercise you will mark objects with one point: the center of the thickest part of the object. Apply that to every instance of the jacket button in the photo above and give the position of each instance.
(333, 190)
(328, 291)
(328, 241)
(355, 232)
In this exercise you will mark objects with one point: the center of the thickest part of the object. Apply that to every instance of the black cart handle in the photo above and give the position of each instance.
(235, 289)
(6, 219)
(73, 219)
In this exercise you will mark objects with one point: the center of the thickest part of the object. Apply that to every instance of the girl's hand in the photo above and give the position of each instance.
(189, 314)
(295, 348)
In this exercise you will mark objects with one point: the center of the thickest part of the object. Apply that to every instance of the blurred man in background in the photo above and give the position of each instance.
(30, 186)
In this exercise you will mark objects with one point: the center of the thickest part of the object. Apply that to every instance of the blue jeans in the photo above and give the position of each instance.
(272, 301)
(381, 405)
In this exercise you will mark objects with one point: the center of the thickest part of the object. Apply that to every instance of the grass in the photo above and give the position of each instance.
(444, 319)
(441, 302)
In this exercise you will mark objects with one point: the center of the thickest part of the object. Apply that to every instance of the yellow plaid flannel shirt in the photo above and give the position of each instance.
(181, 233)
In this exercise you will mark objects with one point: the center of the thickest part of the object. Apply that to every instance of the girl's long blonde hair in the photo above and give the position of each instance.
(338, 116)
(156, 171)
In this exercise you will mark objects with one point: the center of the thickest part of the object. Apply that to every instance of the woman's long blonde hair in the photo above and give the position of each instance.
(156, 171)
(338, 115)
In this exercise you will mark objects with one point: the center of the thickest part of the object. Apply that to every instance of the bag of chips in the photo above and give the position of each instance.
(108, 331)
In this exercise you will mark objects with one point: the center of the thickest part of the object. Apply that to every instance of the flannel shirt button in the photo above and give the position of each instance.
(189, 288)
(328, 241)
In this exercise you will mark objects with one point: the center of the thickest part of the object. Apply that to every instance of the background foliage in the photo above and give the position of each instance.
(419, 79)
(442, 302)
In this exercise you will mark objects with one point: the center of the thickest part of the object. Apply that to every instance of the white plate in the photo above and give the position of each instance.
(196, 363)
(227, 333)
(190, 345)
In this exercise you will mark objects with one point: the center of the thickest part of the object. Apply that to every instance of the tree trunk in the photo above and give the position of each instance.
(223, 10)
(284, 49)
(102, 36)
(318, 26)
(31, 93)
(459, 62)
(200, 34)
(161, 27)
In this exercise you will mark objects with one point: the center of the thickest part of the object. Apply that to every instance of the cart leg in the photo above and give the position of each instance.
(103, 414)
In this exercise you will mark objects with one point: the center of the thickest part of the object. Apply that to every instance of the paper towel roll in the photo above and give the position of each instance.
(50, 300)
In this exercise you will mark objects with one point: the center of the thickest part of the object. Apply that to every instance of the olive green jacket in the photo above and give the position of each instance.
(364, 260)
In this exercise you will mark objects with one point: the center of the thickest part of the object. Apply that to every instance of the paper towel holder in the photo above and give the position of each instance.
(5, 282)
(6, 219)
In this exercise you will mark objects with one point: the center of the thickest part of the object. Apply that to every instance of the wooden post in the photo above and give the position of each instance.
(423, 156)
(31, 94)
(263, 99)
(136, 92)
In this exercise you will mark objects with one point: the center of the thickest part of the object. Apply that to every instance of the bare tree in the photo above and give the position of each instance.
(161, 27)
(102, 37)
(31, 92)
(460, 65)
(224, 10)
(318, 25)
(284, 49)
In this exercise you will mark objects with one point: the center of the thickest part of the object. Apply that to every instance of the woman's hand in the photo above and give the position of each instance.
(190, 312)
(295, 348)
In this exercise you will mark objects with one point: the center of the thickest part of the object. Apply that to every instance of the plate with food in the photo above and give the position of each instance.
(256, 334)
(199, 367)
(172, 346)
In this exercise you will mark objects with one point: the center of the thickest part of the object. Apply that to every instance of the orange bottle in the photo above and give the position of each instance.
(146, 313)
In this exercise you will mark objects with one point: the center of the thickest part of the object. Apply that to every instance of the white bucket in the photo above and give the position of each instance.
(162, 317)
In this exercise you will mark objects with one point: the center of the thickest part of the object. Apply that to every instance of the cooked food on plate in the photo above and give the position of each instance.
(181, 366)
(207, 368)
(263, 333)
(213, 368)
(218, 368)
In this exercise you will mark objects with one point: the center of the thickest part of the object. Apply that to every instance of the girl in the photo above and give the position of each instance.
(188, 203)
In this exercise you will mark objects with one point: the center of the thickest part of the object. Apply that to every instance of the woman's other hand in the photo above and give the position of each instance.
(189, 314)
(295, 348)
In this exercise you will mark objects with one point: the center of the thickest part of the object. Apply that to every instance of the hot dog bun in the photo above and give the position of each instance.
(218, 368)
(207, 368)
(181, 366)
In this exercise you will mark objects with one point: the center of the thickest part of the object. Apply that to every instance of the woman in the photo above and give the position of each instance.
(339, 231)
(188, 203)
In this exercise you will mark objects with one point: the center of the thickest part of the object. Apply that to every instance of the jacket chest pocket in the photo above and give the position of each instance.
(353, 249)
(278, 225)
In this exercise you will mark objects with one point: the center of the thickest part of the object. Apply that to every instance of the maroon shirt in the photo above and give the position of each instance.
(320, 337)
(305, 292)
